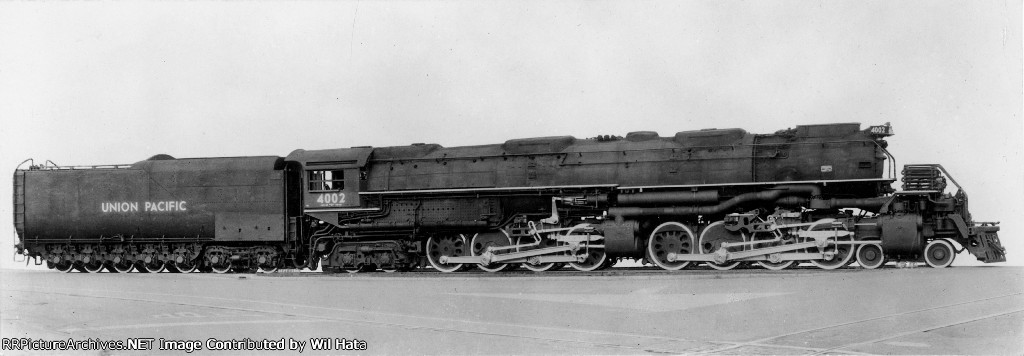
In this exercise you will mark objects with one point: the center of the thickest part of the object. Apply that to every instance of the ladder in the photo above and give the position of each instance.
(19, 207)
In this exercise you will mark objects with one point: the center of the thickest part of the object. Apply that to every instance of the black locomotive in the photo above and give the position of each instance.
(815, 194)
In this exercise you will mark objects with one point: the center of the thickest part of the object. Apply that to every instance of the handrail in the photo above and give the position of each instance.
(51, 166)
(71, 168)
(892, 166)
(23, 162)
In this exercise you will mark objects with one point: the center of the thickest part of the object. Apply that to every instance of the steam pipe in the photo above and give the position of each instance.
(768, 195)
(668, 198)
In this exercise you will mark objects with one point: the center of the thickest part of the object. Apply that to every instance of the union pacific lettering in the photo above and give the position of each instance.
(148, 206)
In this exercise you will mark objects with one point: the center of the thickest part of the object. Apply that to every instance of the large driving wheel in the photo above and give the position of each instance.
(670, 237)
(774, 265)
(842, 254)
(480, 242)
(712, 238)
(595, 255)
(544, 243)
(445, 245)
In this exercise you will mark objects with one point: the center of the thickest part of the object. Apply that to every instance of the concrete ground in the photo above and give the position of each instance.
(962, 310)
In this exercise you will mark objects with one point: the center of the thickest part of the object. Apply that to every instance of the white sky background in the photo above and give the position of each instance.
(104, 83)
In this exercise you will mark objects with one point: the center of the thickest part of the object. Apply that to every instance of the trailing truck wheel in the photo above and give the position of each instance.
(870, 256)
(670, 237)
(939, 253)
(480, 242)
(712, 238)
(445, 245)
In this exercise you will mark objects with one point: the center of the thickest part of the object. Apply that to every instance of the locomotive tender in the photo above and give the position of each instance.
(815, 194)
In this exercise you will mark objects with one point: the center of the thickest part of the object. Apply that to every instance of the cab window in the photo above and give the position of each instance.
(320, 181)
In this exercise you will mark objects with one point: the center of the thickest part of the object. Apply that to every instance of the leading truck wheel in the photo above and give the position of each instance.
(445, 245)
(939, 254)
(870, 256)
(670, 237)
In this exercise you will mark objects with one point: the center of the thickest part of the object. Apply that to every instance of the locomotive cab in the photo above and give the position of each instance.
(331, 179)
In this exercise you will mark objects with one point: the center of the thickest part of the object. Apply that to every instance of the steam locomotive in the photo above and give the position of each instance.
(816, 195)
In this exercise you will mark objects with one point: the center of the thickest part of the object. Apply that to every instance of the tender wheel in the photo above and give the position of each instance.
(64, 266)
(447, 245)
(670, 237)
(480, 242)
(713, 237)
(221, 268)
(266, 261)
(870, 256)
(939, 253)
(187, 266)
(544, 243)
(217, 261)
(843, 253)
(93, 266)
(122, 266)
(596, 257)
(153, 266)
(171, 268)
